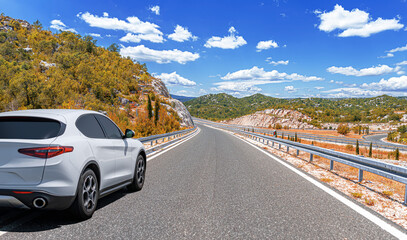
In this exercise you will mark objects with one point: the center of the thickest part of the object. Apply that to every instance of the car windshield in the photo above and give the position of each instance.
(28, 128)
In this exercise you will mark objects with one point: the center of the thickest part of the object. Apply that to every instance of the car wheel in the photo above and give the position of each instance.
(87, 195)
(139, 175)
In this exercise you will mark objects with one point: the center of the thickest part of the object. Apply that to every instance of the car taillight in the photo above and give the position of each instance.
(45, 152)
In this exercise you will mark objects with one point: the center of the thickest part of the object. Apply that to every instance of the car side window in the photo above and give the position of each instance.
(89, 126)
(111, 130)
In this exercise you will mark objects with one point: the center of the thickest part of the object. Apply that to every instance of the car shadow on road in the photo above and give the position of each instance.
(48, 220)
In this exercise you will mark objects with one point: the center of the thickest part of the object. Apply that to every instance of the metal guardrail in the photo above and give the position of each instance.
(386, 170)
(341, 140)
(172, 135)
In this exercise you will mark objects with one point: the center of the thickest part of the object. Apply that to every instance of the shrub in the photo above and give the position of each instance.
(343, 129)
(387, 193)
(349, 147)
(369, 202)
(327, 180)
(356, 194)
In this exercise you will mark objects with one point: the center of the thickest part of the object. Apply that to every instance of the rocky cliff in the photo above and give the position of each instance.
(176, 105)
(270, 117)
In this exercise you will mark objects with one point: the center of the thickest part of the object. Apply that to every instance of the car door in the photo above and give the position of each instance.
(121, 148)
(101, 148)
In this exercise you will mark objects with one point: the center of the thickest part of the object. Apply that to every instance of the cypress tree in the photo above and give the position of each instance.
(149, 108)
(357, 147)
(397, 154)
(295, 138)
(156, 111)
(370, 150)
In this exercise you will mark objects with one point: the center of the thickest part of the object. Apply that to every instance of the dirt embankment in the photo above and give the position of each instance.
(270, 117)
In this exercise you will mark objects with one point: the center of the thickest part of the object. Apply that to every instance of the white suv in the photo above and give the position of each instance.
(59, 159)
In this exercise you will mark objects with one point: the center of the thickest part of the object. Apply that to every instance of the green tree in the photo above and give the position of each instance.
(357, 147)
(149, 107)
(397, 154)
(370, 150)
(295, 138)
(156, 111)
(113, 47)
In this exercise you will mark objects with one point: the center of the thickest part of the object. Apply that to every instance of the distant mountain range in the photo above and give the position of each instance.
(377, 109)
(182, 98)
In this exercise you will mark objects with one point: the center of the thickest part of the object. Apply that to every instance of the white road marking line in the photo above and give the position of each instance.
(174, 145)
(376, 220)
(19, 222)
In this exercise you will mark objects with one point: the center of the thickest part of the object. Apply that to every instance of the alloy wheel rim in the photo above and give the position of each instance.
(89, 193)
(140, 172)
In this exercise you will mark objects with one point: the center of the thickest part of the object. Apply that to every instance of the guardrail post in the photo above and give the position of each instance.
(279, 146)
(311, 157)
(151, 143)
(331, 165)
(272, 144)
(360, 179)
(298, 152)
(288, 149)
(267, 142)
(405, 196)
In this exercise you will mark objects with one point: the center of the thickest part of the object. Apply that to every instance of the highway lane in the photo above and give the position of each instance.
(213, 186)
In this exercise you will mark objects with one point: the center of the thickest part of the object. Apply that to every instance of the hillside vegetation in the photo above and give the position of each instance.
(223, 107)
(39, 69)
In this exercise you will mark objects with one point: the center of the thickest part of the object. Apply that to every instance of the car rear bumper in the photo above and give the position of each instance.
(25, 199)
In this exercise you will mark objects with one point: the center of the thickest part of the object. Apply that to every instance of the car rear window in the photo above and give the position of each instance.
(29, 128)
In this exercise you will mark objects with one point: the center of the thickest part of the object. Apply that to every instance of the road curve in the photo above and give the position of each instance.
(213, 186)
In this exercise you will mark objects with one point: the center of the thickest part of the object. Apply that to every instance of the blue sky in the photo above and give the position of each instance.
(277, 48)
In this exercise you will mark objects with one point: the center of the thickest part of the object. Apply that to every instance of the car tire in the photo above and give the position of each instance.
(139, 175)
(87, 196)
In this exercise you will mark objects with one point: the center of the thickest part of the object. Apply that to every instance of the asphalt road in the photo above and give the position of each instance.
(213, 186)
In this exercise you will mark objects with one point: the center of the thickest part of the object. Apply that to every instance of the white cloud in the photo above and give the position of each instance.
(399, 49)
(372, 71)
(182, 34)
(275, 63)
(95, 35)
(392, 84)
(319, 88)
(352, 92)
(355, 22)
(245, 82)
(290, 89)
(388, 55)
(228, 42)
(175, 79)
(136, 38)
(144, 30)
(142, 53)
(370, 28)
(237, 88)
(263, 45)
(59, 25)
(105, 14)
(155, 9)
(256, 73)
(402, 63)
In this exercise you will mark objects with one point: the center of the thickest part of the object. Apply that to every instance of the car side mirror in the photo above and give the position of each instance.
(129, 133)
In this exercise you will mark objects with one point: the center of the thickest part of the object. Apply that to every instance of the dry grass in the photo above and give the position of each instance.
(387, 193)
(327, 180)
(376, 153)
(356, 194)
(369, 202)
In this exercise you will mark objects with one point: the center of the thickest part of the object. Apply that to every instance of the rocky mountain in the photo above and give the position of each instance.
(182, 98)
(381, 109)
